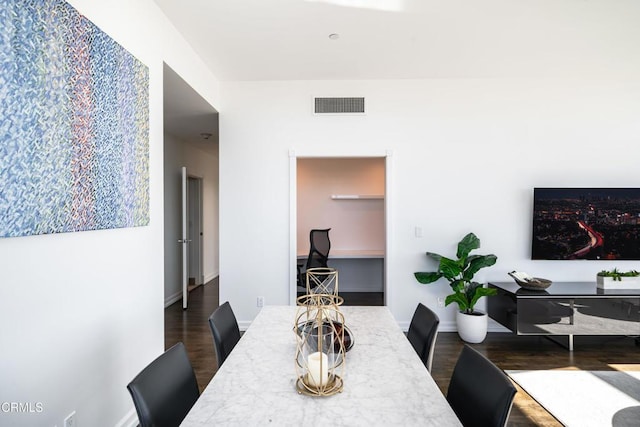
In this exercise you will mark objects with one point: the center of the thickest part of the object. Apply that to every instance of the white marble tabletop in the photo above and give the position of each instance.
(385, 383)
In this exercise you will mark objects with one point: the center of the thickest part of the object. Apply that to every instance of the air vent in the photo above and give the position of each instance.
(338, 106)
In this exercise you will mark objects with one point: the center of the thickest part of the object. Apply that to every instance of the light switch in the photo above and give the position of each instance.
(418, 231)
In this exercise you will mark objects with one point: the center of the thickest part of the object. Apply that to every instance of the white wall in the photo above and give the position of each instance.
(202, 165)
(82, 313)
(466, 155)
(173, 160)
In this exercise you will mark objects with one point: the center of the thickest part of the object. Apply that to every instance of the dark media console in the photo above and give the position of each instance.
(566, 309)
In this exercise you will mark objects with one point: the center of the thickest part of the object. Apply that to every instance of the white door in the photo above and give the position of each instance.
(184, 241)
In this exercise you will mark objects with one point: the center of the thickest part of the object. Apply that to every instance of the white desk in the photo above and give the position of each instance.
(360, 270)
(385, 383)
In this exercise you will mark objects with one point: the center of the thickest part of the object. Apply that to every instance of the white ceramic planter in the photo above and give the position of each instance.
(625, 283)
(472, 328)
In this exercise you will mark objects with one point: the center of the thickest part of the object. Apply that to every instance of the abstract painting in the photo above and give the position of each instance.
(74, 124)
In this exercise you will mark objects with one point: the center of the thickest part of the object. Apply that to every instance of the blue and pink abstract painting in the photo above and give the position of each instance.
(74, 124)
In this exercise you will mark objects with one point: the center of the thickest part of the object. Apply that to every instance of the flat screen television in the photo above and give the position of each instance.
(586, 223)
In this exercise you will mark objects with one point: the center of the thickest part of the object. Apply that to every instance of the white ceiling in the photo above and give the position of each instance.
(395, 39)
(401, 39)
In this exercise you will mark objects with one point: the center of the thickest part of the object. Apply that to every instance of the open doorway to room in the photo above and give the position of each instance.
(347, 196)
(190, 141)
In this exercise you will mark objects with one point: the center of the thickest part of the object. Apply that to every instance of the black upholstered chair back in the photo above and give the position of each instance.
(479, 392)
(422, 334)
(164, 391)
(225, 330)
(319, 246)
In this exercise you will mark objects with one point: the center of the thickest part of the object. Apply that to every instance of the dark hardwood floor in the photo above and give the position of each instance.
(507, 351)
(191, 326)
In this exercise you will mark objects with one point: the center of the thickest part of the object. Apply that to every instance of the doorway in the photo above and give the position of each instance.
(191, 136)
(191, 234)
(350, 196)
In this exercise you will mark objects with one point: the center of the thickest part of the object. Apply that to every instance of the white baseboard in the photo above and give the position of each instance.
(448, 326)
(129, 420)
(404, 326)
(172, 298)
(244, 325)
(211, 276)
(496, 327)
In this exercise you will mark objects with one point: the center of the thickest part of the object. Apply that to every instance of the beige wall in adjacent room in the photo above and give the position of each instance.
(355, 224)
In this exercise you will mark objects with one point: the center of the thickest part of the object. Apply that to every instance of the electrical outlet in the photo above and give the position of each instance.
(440, 302)
(70, 421)
(260, 302)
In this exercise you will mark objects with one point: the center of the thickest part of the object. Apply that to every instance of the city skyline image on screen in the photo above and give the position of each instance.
(586, 223)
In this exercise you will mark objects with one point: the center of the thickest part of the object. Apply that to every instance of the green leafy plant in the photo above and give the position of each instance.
(617, 275)
(459, 272)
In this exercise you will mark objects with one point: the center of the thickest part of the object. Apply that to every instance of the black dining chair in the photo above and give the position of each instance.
(480, 393)
(319, 247)
(225, 330)
(165, 390)
(422, 333)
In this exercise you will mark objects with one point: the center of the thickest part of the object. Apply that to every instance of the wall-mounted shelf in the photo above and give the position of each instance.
(356, 196)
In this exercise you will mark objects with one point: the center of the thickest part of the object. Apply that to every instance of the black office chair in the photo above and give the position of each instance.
(479, 392)
(422, 334)
(164, 391)
(225, 330)
(319, 246)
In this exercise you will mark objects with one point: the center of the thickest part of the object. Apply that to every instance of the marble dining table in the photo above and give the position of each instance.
(385, 382)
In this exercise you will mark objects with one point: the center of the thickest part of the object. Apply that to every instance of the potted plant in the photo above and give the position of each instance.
(615, 279)
(472, 323)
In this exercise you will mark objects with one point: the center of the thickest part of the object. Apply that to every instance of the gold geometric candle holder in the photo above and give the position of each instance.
(320, 349)
(322, 280)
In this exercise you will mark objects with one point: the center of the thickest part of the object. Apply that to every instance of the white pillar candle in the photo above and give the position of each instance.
(318, 365)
